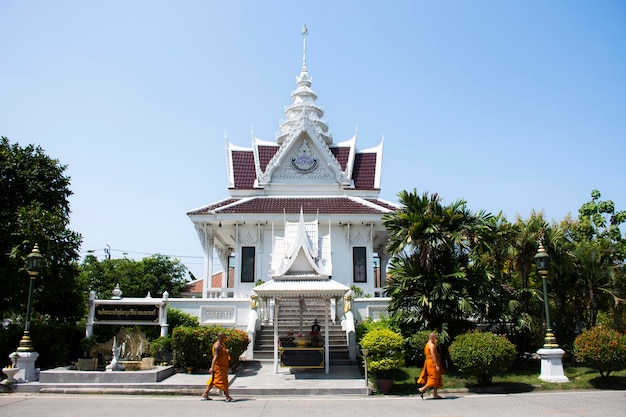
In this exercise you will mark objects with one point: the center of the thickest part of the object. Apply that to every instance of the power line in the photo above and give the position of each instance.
(108, 250)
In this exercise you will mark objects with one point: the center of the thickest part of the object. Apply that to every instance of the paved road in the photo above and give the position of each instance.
(557, 403)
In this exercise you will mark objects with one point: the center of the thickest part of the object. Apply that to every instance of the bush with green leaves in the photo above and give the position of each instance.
(602, 349)
(414, 348)
(482, 355)
(368, 325)
(192, 345)
(385, 351)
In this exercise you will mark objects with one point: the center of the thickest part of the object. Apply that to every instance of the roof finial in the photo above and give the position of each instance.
(305, 32)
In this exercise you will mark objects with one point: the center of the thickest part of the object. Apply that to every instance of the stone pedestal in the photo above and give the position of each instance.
(26, 364)
(551, 365)
(10, 373)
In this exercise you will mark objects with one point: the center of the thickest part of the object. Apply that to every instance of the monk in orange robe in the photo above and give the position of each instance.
(219, 368)
(432, 371)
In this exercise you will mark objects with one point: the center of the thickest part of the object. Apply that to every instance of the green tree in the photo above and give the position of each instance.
(436, 279)
(153, 275)
(34, 208)
(598, 251)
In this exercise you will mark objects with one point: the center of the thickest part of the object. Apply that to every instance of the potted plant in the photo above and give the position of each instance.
(385, 355)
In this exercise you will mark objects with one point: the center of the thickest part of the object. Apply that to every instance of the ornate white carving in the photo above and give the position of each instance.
(248, 239)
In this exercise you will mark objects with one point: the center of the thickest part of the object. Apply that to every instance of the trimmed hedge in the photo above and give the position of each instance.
(192, 345)
(601, 348)
(482, 355)
(385, 351)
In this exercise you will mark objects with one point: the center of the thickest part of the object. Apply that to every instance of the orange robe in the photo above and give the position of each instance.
(430, 376)
(219, 379)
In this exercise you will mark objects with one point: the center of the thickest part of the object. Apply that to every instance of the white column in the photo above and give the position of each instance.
(326, 338)
(275, 337)
(91, 314)
(209, 246)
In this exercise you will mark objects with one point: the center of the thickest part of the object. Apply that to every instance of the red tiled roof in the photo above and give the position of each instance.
(243, 169)
(383, 204)
(327, 205)
(216, 282)
(195, 286)
(341, 155)
(364, 172)
(212, 207)
(266, 153)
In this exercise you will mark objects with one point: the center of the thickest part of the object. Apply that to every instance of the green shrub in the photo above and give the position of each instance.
(385, 351)
(368, 325)
(192, 345)
(481, 355)
(177, 317)
(602, 349)
(414, 348)
(161, 344)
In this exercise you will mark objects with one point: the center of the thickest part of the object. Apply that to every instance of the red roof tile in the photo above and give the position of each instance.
(328, 205)
(341, 154)
(266, 153)
(212, 207)
(364, 172)
(216, 282)
(383, 204)
(243, 169)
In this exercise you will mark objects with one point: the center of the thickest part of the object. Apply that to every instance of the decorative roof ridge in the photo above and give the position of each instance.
(369, 203)
(206, 206)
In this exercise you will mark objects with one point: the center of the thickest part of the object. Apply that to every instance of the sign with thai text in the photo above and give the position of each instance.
(127, 312)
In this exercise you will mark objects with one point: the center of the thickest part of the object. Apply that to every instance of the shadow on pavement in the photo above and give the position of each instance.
(502, 388)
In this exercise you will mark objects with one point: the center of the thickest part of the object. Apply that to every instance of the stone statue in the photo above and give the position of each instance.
(115, 362)
(254, 301)
(347, 301)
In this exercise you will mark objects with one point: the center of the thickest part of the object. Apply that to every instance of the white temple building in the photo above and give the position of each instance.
(299, 237)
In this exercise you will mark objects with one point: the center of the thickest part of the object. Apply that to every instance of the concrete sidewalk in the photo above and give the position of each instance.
(253, 378)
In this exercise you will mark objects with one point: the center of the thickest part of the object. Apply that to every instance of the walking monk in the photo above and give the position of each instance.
(219, 368)
(432, 371)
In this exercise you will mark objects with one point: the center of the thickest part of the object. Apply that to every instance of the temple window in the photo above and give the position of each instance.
(359, 264)
(247, 263)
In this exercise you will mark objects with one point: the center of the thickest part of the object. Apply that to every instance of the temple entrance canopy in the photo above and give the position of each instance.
(301, 270)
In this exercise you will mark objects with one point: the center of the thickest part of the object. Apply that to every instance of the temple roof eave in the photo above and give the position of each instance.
(301, 289)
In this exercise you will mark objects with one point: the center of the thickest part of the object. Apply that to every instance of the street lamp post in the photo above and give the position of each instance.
(551, 354)
(26, 355)
(542, 261)
(35, 262)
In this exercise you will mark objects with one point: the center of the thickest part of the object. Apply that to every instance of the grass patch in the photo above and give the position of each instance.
(523, 377)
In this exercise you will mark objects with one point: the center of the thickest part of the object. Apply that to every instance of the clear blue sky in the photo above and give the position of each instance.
(511, 105)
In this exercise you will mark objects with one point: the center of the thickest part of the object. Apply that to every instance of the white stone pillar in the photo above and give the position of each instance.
(275, 320)
(551, 365)
(91, 314)
(208, 262)
(326, 337)
(26, 364)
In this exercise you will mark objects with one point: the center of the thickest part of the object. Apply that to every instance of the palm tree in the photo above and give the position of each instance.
(435, 277)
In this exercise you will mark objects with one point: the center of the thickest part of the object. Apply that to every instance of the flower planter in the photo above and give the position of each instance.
(384, 385)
